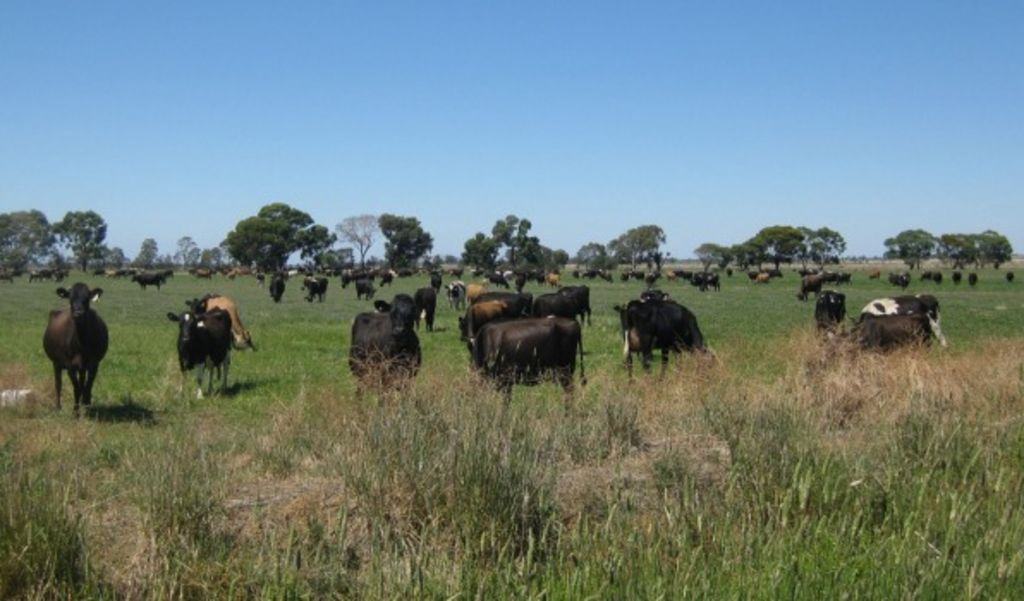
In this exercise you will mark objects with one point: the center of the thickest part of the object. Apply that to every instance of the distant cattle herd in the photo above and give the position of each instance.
(512, 337)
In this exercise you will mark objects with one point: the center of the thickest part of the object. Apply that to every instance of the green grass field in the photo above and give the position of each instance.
(786, 469)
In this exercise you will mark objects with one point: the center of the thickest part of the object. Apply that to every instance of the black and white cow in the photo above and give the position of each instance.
(921, 304)
(315, 287)
(204, 342)
(456, 293)
(830, 310)
(887, 332)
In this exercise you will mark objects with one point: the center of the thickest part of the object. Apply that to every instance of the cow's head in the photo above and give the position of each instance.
(402, 310)
(187, 325)
(79, 298)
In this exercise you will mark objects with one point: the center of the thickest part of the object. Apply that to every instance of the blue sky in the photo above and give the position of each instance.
(710, 119)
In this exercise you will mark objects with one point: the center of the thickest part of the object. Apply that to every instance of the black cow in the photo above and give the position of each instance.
(554, 304)
(666, 325)
(435, 281)
(456, 293)
(520, 281)
(526, 351)
(384, 343)
(519, 303)
(830, 310)
(204, 341)
(315, 286)
(426, 305)
(653, 294)
(277, 287)
(844, 277)
(900, 279)
(890, 331)
(498, 279)
(972, 279)
(651, 279)
(921, 304)
(150, 279)
(76, 340)
(1009, 277)
(957, 277)
(704, 280)
(581, 296)
(386, 278)
(364, 288)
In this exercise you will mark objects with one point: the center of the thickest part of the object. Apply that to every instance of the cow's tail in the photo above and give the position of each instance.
(583, 371)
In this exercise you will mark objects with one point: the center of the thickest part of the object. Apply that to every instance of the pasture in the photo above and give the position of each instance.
(786, 468)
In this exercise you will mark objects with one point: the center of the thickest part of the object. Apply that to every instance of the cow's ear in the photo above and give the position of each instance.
(96, 294)
(381, 306)
(173, 316)
(62, 292)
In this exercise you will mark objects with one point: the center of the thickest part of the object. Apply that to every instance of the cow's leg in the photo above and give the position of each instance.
(199, 380)
(58, 377)
(90, 377)
(76, 382)
(224, 376)
(938, 330)
(664, 361)
(645, 359)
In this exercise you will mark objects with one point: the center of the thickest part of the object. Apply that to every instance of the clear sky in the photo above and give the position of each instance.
(710, 119)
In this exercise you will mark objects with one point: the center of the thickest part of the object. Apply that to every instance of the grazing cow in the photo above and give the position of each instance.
(927, 275)
(650, 324)
(604, 275)
(474, 291)
(1009, 277)
(7, 276)
(76, 340)
(203, 273)
(891, 331)
(365, 289)
(900, 279)
(315, 286)
(921, 304)
(426, 305)
(762, 278)
(830, 310)
(386, 278)
(704, 280)
(242, 338)
(456, 272)
(554, 280)
(521, 303)
(937, 277)
(875, 275)
(554, 304)
(972, 279)
(844, 277)
(204, 341)
(808, 284)
(520, 281)
(149, 279)
(581, 296)
(526, 351)
(651, 278)
(774, 273)
(498, 279)
(40, 274)
(384, 343)
(435, 281)
(456, 293)
(277, 286)
(957, 277)
(753, 275)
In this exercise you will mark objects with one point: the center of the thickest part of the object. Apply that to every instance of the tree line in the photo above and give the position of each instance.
(278, 231)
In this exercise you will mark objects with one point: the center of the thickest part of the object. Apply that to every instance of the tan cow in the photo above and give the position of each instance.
(475, 290)
(762, 278)
(554, 280)
(242, 338)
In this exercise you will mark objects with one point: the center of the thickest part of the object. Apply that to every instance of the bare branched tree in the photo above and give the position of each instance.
(361, 231)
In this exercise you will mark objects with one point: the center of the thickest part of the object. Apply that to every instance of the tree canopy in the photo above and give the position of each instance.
(83, 233)
(407, 242)
(25, 237)
(911, 246)
(710, 254)
(640, 244)
(480, 251)
(274, 234)
(513, 234)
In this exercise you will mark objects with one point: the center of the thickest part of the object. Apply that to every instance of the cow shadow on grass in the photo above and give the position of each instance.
(128, 411)
(238, 388)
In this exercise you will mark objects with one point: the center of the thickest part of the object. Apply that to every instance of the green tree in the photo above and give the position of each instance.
(640, 244)
(314, 242)
(148, 254)
(779, 243)
(994, 248)
(823, 246)
(747, 254)
(480, 251)
(407, 242)
(188, 254)
(958, 249)
(710, 254)
(83, 233)
(25, 237)
(911, 246)
(114, 257)
(513, 234)
(270, 237)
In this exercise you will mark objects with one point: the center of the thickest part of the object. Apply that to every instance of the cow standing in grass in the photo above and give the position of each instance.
(76, 340)
(384, 343)
(204, 343)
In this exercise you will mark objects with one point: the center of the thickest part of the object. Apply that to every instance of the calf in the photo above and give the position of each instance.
(426, 305)
(364, 289)
(921, 304)
(315, 286)
(277, 287)
(386, 278)
(242, 338)
(76, 340)
(526, 351)
(650, 324)
(204, 341)
(384, 343)
(830, 310)
(456, 293)
(890, 331)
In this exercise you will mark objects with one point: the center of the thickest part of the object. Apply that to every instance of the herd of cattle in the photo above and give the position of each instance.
(512, 337)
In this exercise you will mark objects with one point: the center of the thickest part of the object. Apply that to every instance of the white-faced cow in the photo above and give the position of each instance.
(655, 324)
(204, 342)
(921, 304)
(426, 305)
(384, 343)
(456, 293)
(315, 287)
(526, 351)
(76, 340)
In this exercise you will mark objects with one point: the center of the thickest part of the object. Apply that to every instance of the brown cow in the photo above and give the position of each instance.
(762, 278)
(875, 275)
(554, 280)
(483, 312)
(76, 340)
(810, 283)
(475, 290)
(243, 340)
(890, 331)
